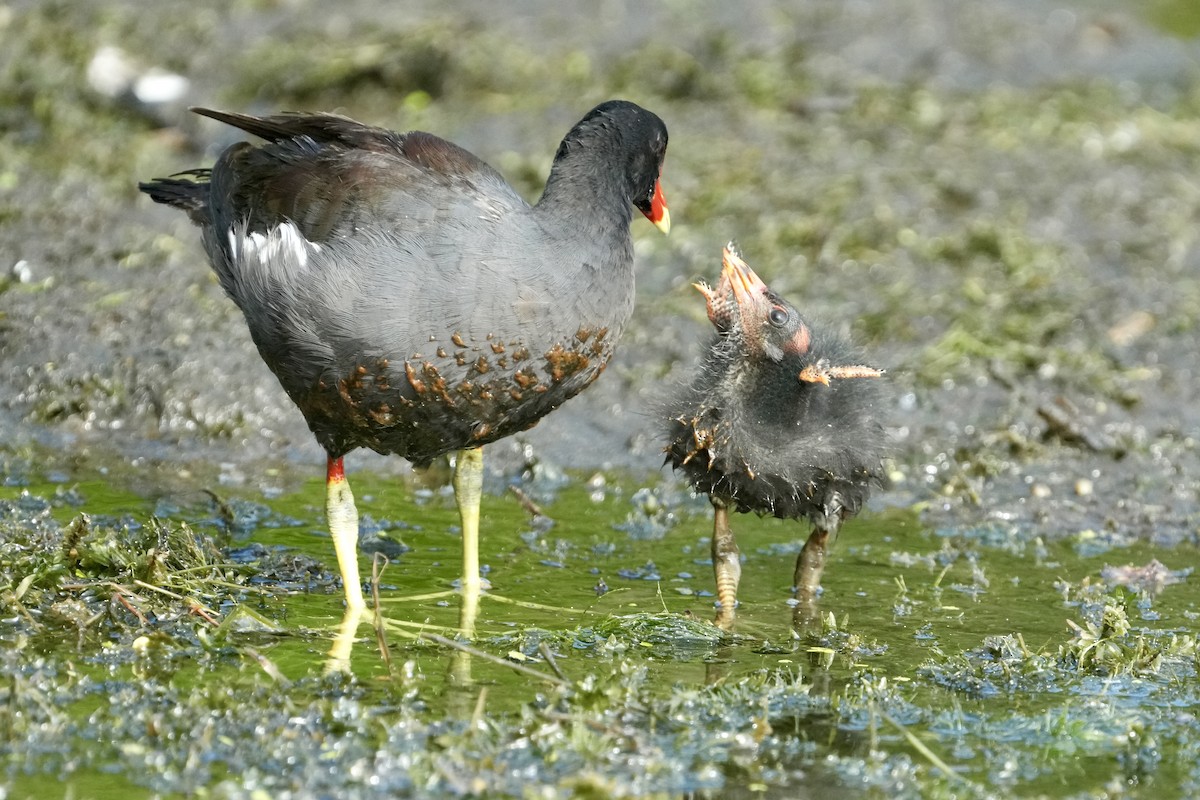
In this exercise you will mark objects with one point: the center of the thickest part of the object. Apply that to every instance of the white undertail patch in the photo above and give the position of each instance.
(281, 246)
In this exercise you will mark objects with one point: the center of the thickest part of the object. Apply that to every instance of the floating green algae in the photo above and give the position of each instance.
(963, 664)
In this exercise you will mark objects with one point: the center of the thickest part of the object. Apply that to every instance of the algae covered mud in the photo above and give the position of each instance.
(998, 201)
(183, 657)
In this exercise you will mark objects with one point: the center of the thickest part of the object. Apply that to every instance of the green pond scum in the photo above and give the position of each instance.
(180, 649)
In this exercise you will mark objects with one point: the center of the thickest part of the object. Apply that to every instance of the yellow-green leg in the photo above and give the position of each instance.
(809, 566)
(727, 565)
(343, 527)
(806, 617)
(468, 488)
(468, 611)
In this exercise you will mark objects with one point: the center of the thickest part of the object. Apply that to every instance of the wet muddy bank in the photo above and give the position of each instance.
(999, 203)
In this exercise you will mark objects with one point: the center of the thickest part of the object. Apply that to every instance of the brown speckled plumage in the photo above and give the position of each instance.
(407, 298)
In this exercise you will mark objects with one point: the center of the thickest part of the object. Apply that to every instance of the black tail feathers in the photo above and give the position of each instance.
(187, 191)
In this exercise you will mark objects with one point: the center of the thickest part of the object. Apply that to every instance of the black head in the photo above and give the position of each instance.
(640, 140)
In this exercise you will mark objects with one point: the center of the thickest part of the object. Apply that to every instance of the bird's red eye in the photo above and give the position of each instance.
(778, 316)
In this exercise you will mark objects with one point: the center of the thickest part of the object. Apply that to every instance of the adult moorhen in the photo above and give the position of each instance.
(780, 420)
(407, 298)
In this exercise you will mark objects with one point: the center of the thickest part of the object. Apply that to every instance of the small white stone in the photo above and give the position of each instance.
(158, 86)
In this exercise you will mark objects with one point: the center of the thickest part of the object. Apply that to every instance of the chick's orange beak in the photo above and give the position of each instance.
(748, 289)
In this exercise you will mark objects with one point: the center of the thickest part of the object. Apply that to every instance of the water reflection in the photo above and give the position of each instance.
(338, 659)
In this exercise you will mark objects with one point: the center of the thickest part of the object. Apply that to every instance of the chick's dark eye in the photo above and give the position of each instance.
(778, 317)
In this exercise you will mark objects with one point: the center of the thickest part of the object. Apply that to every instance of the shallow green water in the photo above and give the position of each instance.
(909, 660)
